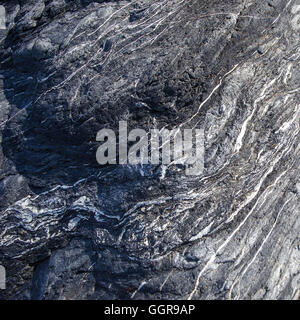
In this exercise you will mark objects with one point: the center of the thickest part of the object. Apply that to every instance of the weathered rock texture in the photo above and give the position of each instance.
(70, 229)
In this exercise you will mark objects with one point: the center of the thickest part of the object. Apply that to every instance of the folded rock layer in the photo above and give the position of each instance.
(72, 229)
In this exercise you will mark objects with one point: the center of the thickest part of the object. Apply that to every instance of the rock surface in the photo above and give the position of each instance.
(70, 229)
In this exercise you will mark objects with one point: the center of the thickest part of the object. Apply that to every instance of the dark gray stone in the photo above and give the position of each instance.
(71, 229)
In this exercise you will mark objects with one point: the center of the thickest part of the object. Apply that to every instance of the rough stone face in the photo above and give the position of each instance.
(71, 229)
